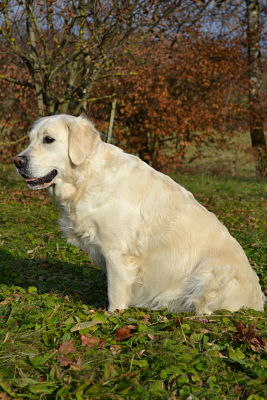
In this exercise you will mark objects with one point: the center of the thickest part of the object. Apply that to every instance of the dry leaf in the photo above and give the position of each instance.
(77, 365)
(147, 317)
(4, 396)
(248, 334)
(124, 332)
(64, 361)
(92, 341)
(67, 347)
(151, 337)
(115, 349)
(6, 301)
(84, 325)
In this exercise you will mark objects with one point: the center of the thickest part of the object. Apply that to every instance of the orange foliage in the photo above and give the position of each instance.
(191, 92)
(169, 96)
(18, 106)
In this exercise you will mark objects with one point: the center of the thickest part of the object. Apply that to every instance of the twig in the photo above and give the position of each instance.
(15, 81)
(14, 142)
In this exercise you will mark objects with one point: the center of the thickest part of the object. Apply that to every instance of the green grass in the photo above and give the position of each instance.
(229, 154)
(50, 294)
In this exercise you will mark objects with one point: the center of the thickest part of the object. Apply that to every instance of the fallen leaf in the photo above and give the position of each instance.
(77, 365)
(174, 395)
(124, 332)
(92, 341)
(4, 396)
(151, 337)
(163, 318)
(147, 317)
(238, 389)
(115, 349)
(258, 344)
(6, 301)
(248, 334)
(64, 361)
(67, 347)
(84, 325)
(245, 333)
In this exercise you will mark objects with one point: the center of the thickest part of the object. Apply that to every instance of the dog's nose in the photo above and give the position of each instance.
(20, 161)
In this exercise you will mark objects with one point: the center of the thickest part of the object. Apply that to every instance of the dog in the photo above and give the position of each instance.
(160, 248)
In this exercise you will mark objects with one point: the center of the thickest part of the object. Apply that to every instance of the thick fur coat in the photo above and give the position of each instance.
(159, 247)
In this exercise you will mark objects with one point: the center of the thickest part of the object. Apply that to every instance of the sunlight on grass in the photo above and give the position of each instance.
(57, 341)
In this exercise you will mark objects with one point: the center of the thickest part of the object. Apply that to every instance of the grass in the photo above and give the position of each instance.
(58, 342)
(230, 154)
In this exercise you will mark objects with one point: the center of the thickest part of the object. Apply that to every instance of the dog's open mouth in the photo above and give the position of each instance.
(42, 182)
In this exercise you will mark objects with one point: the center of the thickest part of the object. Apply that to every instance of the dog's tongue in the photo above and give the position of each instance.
(44, 179)
(31, 179)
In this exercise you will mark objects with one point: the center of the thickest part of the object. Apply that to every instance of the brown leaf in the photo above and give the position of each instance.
(4, 396)
(258, 344)
(245, 333)
(248, 334)
(124, 332)
(6, 301)
(67, 347)
(92, 341)
(64, 361)
(174, 395)
(238, 389)
(115, 349)
(147, 317)
(77, 365)
(256, 349)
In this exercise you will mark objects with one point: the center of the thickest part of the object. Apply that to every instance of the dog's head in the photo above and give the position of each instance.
(58, 144)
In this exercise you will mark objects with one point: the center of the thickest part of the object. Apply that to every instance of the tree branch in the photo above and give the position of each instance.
(14, 142)
(16, 82)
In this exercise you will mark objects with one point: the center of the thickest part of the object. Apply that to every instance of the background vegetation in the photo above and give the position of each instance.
(187, 81)
(184, 73)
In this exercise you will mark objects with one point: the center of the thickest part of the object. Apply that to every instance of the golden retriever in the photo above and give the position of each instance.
(159, 247)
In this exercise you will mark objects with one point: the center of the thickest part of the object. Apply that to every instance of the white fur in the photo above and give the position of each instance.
(159, 246)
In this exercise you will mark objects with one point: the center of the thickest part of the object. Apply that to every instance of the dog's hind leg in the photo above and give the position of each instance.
(218, 288)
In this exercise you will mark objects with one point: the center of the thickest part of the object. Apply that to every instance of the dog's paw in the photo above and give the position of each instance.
(111, 309)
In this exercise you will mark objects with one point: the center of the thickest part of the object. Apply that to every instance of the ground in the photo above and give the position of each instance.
(57, 341)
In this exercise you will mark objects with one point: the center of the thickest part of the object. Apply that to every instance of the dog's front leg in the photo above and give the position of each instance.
(120, 276)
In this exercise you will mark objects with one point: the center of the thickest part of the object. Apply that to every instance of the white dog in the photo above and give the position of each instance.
(159, 246)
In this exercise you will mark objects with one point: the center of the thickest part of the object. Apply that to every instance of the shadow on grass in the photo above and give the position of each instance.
(85, 283)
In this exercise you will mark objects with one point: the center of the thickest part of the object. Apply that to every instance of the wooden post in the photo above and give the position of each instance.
(111, 120)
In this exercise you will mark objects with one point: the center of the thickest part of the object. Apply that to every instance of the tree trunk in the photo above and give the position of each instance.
(33, 66)
(256, 119)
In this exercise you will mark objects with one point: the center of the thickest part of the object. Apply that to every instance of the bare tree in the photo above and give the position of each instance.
(68, 45)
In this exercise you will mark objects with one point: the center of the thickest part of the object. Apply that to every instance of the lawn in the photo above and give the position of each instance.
(57, 341)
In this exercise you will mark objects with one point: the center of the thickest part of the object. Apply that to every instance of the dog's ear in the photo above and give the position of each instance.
(83, 137)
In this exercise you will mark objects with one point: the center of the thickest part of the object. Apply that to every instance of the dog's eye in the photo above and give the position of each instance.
(48, 139)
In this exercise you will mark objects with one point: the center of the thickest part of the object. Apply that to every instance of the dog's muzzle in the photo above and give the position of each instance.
(21, 163)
